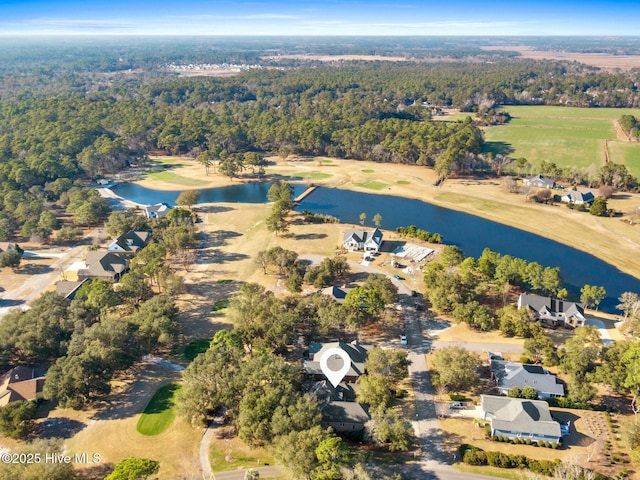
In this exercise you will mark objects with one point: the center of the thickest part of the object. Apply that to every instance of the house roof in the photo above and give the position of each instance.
(6, 246)
(104, 264)
(520, 415)
(577, 196)
(324, 391)
(554, 306)
(159, 209)
(132, 241)
(363, 236)
(337, 293)
(540, 180)
(356, 351)
(510, 374)
(20, 383)
(345, 412)
(68, 289)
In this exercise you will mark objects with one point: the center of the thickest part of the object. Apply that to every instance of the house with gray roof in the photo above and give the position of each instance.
(339, 407)
(357, 353)
(158, 210)
(518, 418)
(577, 197)
(367, 240)
(553, 311)
(108, 266)
(130, 242)
(508, 375)
(539, 181)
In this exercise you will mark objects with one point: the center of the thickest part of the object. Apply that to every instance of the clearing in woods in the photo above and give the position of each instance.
(566, 136)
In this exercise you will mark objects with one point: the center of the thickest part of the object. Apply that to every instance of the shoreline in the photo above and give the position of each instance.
(608, 239)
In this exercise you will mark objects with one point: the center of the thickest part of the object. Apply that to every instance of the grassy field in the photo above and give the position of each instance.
(372, 185)
(313, 176)
(159, 413)
(233, 454)
(174, 178)
(564, 135)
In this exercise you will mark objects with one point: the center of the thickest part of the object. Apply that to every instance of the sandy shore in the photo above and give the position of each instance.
(611, 239)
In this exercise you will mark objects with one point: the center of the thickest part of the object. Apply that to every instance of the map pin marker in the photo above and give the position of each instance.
(329, 358)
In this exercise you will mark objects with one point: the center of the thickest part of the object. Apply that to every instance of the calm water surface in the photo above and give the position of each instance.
(469, 232)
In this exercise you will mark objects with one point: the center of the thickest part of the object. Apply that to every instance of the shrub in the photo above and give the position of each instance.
(455, 397)
(475, 457)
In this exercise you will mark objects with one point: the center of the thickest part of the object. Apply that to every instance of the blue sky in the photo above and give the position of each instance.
(315, 17)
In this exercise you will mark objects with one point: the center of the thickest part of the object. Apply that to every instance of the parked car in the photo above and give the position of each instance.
(403, 339)
(456, 405)
(396, 276)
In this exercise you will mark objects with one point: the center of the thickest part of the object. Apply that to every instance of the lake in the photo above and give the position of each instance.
(241, 192)
(469, 232)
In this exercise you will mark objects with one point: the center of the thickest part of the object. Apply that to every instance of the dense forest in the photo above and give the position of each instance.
(80, 110)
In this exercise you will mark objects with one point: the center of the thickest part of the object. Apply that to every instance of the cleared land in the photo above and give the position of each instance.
(564, 135)
(600, 60)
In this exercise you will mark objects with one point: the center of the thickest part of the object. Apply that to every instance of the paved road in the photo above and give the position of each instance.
(32, 288)
(265, 472)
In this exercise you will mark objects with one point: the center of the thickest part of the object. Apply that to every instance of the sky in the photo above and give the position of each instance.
(320, 17)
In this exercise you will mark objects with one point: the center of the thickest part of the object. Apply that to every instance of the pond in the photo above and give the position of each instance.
(469, 232)
(241, 192)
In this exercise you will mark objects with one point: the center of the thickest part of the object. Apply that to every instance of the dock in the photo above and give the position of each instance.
(304, 194)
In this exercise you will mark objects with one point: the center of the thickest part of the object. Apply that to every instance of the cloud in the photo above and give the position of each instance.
(443, 24)
(254, 16)
(65, 22)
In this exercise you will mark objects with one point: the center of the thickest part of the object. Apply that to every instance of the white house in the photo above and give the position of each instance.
(156, 211)
(553, 310)
(576, 197)
(369, 241)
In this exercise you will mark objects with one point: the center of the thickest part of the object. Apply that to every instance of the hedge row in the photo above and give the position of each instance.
(525, 441)
(472, 455)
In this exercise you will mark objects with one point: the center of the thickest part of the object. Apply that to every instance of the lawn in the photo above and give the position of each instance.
(196, 347)
(368, 170)
(170, 177)
(372, 185)
(312, 176)
(233, 454)
(627, 153)
(159, 413)
(563, 135)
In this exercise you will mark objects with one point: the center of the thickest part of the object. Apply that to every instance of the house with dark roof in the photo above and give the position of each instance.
(337, 293)
(553, 311)
(158, 210)
(105, 265)
(68, 289)
(508, 375)
(130, 242)
(367, 240)
(518, 418)
(357, 353)
(539, 181)
(577, 197)
(339, 408)
(20, 384)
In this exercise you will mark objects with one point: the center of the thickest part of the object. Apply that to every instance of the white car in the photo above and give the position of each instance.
(456, 405)
(403, 339)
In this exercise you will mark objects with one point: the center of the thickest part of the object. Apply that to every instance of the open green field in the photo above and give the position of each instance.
(567, 136)
(627, 153)
(176, 179)
(159, 412)
(372, 185)
(312, 176)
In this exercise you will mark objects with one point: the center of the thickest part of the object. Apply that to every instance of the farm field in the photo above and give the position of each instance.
(567, 136)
